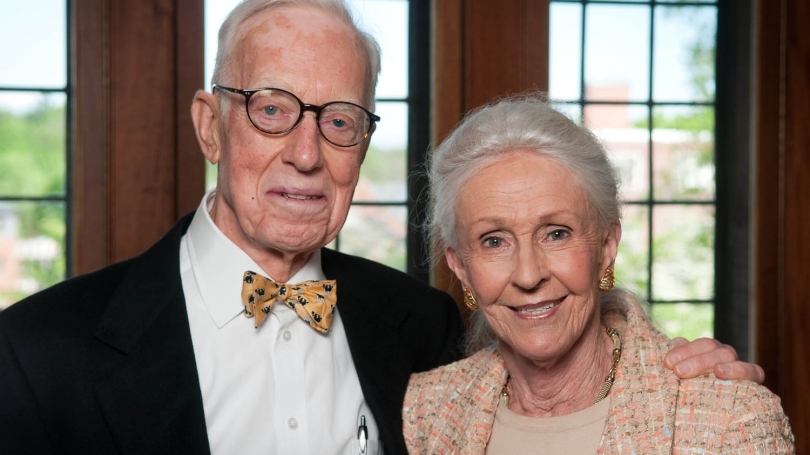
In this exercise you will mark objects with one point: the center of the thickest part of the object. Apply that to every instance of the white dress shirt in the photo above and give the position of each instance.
(283, 388)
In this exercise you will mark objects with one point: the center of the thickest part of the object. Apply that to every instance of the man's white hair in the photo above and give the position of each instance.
(229, 31)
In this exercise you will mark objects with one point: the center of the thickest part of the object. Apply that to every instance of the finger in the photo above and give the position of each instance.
(679, 341)
(682, 352)
(703, 359)
(740, 370)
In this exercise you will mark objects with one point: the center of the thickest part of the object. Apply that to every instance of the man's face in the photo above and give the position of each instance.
(289, 193)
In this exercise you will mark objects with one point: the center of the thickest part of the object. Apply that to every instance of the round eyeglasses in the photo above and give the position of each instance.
(276, 111)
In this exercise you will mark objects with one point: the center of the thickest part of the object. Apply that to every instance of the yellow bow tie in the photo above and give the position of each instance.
(313, 301)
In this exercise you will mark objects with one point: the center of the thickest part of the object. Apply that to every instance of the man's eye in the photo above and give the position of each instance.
(338, 123)
(270, 110)
(558, 234)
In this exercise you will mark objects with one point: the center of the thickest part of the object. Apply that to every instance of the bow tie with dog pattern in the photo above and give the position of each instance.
(313, 301)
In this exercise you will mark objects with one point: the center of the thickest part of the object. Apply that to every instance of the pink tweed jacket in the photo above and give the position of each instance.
(450, 410)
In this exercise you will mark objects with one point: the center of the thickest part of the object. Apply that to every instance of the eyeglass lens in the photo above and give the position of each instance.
(276, 111)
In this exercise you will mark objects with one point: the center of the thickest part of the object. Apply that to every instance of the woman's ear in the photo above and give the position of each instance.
(610, 246)
(205, 113)
(455, 263)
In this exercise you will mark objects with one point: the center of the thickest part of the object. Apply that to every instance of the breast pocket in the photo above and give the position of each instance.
(373, 447)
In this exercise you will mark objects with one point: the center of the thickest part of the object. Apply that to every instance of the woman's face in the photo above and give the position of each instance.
(531, 249)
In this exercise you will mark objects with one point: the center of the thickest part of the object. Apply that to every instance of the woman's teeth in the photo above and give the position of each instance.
(537, 310)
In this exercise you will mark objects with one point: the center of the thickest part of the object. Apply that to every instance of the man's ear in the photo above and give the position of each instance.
(205, 113)
(455, 264)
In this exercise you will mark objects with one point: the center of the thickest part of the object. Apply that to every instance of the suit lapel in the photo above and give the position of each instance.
(152, 401)
(374, 341)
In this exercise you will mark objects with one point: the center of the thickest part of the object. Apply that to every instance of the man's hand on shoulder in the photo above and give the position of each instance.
(707, 355)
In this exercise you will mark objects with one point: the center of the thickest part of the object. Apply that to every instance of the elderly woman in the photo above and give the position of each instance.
(525, 208)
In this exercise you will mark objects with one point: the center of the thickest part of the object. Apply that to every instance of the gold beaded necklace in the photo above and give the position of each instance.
(617, 355)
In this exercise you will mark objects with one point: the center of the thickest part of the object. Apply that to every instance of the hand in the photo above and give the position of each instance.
(707, 355)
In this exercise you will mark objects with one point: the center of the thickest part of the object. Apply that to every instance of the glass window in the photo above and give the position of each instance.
(377, 226)
(645, 83)
(34, 99)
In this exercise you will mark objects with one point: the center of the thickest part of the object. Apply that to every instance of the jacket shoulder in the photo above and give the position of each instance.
(79, 300)
(721, 414)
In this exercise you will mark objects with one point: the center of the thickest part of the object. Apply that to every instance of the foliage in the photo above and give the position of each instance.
(33, 164)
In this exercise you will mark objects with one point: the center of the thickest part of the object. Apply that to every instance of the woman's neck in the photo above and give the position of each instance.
(555, 387)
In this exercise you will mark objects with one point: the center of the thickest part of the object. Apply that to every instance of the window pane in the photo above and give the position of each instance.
(683, 147)
(714, 2)
(42, 61)
(565, 45)
(572, 111)
(617, 51)
(683, 62)
(623, 131)
(383, 176)
(376, 233)
(32, 144)
(32, 256)
(632, 262)
(688, 320)
(215, 13)
(683, 252)
(387, 21)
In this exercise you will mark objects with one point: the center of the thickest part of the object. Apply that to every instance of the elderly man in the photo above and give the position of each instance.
(182, 349)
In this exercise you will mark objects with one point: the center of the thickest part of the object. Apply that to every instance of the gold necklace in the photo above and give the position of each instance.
(617, 355)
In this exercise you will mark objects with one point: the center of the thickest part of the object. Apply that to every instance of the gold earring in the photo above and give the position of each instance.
(469, 299)
(608, 280)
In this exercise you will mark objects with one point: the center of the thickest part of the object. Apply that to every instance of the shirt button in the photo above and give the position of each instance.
(292, 424)
(287, 335)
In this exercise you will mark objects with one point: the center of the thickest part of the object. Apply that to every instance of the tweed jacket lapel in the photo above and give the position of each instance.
(485, 391)
(152, 401)
(459, 400)
(642, 411)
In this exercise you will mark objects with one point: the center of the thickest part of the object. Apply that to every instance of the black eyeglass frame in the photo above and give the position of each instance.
(373, 118)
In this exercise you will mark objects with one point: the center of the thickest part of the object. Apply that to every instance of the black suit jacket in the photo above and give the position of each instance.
(104, 363)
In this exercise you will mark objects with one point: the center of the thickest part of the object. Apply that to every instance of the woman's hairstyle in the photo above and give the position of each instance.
(524, 122)
(229, 33)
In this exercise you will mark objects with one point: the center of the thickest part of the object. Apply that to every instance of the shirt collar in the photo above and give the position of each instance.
(218, 265)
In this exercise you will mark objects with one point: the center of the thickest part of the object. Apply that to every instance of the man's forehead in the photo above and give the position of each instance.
(297, 21)
(299, 49)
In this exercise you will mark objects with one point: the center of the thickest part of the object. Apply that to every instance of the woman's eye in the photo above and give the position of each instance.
(493, 242)
(558, 234)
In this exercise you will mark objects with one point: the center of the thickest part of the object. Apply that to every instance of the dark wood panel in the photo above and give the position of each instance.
(190, 168)
(797, 219)
(768, 221)
(782, 248)
(136, 163)
(142, 124)
(505, 48)
(90, 241)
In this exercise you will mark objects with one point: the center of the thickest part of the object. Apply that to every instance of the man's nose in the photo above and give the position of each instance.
(305, 151)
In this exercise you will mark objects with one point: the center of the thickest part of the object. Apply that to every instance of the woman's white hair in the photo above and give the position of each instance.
(524, 122)
(229, 32)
